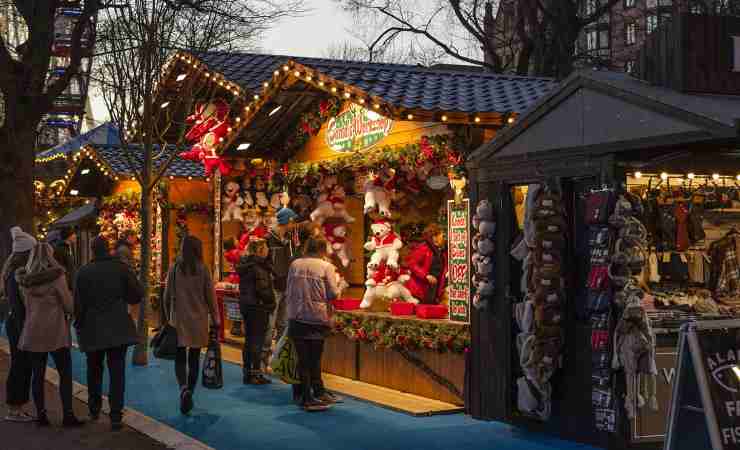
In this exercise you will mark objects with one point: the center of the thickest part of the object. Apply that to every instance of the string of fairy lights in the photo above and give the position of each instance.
(186, 65)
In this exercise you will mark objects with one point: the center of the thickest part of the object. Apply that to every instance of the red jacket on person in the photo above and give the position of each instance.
(419, 262)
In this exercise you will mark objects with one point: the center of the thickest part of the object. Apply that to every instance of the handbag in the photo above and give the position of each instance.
(285, 360)
(164, 342)
(213, 370)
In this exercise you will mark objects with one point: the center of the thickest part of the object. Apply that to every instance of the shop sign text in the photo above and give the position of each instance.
(356, 129)
(458, 254)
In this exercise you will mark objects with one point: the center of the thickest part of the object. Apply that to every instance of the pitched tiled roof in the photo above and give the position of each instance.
(105, 134)
(114, 156)
(405, 86)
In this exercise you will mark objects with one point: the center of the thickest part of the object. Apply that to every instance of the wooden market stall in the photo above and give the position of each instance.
(353, 145)
(662, 155)
(100, 175)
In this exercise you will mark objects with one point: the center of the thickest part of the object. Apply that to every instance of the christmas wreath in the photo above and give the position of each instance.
(403, 334)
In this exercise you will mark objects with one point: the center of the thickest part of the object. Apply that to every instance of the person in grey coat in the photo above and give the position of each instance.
(103, 289)
(189, 296)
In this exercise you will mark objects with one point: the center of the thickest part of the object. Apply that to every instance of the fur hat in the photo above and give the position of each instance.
(22, 241)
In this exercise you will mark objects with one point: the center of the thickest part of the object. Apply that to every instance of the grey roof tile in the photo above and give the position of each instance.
(115, 157)
(401, 85)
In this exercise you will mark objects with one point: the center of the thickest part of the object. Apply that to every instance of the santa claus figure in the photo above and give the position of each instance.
(210, 125)
(427, 266)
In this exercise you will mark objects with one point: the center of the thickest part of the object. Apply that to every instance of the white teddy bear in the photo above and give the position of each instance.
(331, 204)
(336, 235)
(384, 244)
(232, 203)
(377, 196)
(385, 283)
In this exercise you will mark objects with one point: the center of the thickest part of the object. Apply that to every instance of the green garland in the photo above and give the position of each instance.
(436, 148)
(403, 334)
(310, 123)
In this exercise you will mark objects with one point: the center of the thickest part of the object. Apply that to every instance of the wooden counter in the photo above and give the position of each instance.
(388, 368)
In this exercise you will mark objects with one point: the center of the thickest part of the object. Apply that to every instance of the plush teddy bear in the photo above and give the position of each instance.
(260, 196)
(331, 205)
(246, 187)
(384, 244)
(336, 235)
(377, 196)
(232, 203)
(387, 283)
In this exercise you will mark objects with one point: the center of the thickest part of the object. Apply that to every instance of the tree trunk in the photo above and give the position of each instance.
(141, 351)
(16, 181)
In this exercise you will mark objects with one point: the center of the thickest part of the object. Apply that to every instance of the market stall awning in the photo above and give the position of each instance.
(105, 134)
(605, 112)
(76, 216)
(114, 156)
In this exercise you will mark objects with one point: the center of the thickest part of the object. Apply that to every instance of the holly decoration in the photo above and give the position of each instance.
(435, 149)
(310, 123)
(403, 334)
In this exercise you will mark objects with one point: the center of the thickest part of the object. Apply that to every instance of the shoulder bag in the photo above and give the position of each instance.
(164, 343)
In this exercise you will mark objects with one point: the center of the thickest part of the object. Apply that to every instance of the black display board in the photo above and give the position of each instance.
(705, 413)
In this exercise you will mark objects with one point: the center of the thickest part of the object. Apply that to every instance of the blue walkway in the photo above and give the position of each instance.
(263, 417)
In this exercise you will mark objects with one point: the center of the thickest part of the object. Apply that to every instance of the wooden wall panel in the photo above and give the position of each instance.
(199, 225)
(340, 357)
(387, 368)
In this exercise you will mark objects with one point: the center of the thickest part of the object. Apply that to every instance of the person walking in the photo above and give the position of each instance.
(48, 303)
(256, 302)
(18, 383)
(103, 289)
(311, 285)
(190, 294)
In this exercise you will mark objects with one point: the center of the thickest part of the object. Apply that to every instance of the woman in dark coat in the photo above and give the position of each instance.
(257, 302)
(103, 289)
(18, 384)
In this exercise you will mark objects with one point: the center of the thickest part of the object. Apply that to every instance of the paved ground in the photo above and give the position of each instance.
(14, 436)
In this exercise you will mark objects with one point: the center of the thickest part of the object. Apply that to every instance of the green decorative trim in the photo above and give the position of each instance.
(437, 149)
(409, 335)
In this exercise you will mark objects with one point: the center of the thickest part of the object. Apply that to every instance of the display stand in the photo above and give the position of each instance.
(708, 385)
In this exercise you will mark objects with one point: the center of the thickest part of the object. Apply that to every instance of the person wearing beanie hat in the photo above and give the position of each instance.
(18, 383)
(22, 241)
(282, 253)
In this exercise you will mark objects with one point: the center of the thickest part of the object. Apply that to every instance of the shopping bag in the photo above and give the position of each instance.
(164, 342)
(285, 360)
(213, 371)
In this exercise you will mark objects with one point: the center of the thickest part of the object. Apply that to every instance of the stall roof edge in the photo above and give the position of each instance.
(105, 134)
(113, 156)
(716, 114)
(419, 87)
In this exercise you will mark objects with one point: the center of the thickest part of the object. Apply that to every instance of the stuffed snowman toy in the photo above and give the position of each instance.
(232, 203)
(384, 243)
(336, 234)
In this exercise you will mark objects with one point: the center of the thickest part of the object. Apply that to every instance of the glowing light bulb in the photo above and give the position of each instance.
(664, 176)
(691, 175)
(715, 176)
(638, 175)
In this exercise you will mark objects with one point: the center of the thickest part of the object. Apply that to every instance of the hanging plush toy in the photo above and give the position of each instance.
(246, 188)
(377, 196)
(331, 205)
(232, 203)
(260, 196)
(210, 125)
(336, 235)
(384, 243)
